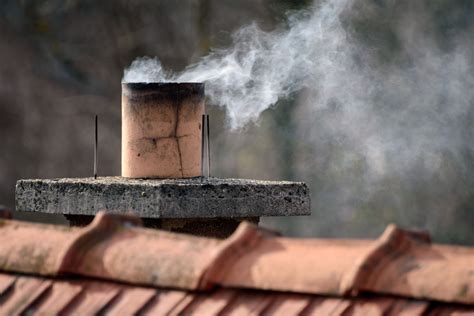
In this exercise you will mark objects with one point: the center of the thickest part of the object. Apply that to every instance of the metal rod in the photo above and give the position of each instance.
(202, 144)
(208, 148)
(96, 143)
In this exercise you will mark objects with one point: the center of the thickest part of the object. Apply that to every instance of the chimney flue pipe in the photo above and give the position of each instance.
(161, 129)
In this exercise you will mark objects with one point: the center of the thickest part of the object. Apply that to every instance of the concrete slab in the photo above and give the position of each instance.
(169, 198)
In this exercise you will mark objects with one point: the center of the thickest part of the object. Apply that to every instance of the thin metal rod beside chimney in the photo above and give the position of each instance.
(96, 144)
(208, 148)
(203, 124)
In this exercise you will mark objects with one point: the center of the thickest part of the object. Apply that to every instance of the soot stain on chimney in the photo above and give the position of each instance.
(177, 105)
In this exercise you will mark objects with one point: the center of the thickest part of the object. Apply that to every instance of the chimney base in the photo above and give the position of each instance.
(205, 227)
(201, 206)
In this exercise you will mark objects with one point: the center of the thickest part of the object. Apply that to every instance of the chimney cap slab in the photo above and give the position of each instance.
(164, 198)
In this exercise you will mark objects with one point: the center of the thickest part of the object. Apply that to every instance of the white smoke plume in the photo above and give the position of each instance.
(145, 69)
(316, 52)
(395, 133)
(260, 67)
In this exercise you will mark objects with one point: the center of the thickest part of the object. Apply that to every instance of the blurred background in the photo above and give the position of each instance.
(63, 60)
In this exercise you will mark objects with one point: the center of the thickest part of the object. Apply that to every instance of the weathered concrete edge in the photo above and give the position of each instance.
(150, 202)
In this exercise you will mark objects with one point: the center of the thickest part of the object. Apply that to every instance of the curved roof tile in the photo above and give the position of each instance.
(402, 263)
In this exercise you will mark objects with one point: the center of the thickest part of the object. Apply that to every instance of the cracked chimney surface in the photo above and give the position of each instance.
(161, 129)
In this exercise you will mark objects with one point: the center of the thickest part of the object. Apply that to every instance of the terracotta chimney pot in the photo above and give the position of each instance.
(161, 129)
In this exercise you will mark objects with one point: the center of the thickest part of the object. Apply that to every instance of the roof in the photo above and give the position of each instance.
(115, 265)
(20, 294)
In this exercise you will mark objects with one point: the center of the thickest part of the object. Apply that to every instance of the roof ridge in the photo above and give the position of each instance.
(246, 236)
(400, 262)
(394, 241)
(103, 225)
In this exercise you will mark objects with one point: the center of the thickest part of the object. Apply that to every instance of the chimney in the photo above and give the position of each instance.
(162, 180)
(161, 130)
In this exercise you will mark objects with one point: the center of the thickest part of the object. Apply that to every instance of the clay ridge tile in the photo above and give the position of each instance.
(102, 227)
(111, 247)
(400, 262)
(393, 243)
(407, 264)
(246, 237)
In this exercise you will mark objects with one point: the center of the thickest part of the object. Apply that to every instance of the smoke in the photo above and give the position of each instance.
(145, 69)
(260, 67)
(409, 107)
(386, 107)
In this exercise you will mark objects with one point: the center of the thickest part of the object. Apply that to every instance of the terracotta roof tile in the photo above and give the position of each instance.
(131, 301)
(211, 304)
(401, 263)
(248, 303)
(409, 308)
(371, 307)
(329, 306)
(451, 310)
(57, 299)
(6, 281)
(50, 296)
(164, 303)
(288, 304)
(311, 266)
(95, 299)
(110, 247)
(23, 294)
